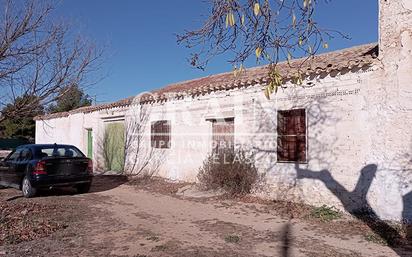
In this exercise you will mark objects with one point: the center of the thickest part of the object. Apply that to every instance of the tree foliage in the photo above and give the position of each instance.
(268, 30)
(39, 56)
(20, 126)
(70, 98)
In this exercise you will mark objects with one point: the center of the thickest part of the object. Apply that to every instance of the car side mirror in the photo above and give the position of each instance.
(2, 159)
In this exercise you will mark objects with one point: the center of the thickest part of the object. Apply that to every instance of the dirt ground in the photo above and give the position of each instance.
(123, 218)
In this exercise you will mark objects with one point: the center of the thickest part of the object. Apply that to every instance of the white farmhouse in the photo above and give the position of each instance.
(344, 138)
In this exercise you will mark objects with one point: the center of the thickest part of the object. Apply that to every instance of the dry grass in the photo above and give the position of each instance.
(21, 222)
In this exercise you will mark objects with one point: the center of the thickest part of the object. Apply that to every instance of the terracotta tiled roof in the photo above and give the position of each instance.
(87, 109)
(358, 56)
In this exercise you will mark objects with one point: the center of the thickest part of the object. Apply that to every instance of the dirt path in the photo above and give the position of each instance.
(125, 221)
(178, 226)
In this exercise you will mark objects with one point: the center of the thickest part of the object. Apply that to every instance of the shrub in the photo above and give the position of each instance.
(230, 170)
(232, 239)
(326, 213)
(375, 238)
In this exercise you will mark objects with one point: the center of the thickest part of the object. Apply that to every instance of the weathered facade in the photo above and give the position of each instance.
(354, 134)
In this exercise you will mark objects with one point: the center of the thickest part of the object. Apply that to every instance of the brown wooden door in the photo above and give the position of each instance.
(223, 134)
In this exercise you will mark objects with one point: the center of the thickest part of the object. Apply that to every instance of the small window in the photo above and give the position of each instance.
(291, 131)
(223, 135)
(160, 134)
(26, 155)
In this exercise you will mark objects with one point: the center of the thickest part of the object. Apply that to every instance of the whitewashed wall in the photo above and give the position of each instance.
(359, 122)
(338, 134)
(340, 140)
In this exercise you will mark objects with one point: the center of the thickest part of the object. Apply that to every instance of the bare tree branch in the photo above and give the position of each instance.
(140, 158)
(39, 56)
(269, 30)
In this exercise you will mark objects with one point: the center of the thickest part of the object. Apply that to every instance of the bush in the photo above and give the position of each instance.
(229, 170)
(375, 238)
(232, 239)
(326, 213)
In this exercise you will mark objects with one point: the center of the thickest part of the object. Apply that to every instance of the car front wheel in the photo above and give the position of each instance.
(26, 187)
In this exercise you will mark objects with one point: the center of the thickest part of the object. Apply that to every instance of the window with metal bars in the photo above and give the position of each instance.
(160, 134)
(291, 130)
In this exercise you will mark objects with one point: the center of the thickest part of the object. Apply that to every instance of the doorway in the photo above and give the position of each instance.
(90, 143)
(114, 146)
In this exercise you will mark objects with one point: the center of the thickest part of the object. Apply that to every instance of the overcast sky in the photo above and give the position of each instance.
(141, 49)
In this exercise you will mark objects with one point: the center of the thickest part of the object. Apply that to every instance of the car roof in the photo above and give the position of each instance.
(43, 146)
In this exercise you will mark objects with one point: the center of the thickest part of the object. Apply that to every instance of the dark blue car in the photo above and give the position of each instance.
(33, 167)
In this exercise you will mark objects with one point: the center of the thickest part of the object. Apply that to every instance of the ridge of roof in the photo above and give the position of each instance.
(356, 56)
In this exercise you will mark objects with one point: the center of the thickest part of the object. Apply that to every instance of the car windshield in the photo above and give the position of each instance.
(58, 151)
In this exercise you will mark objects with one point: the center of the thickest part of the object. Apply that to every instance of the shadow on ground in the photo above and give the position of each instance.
(100, 183)
(107, 182)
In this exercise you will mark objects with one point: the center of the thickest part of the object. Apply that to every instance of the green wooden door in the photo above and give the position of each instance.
(114, 146)
(90, 143)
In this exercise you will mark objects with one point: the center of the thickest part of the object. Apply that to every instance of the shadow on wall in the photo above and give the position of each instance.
(326, 119)
(125, 147)
(356, 203)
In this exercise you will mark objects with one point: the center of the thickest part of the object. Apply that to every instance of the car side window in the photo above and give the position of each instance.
(25, 155)
(14, 155)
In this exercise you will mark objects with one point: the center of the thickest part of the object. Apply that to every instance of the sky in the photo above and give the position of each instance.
(139, 42)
